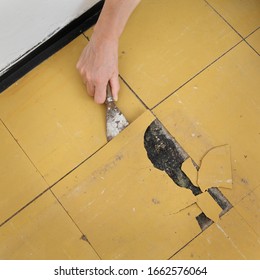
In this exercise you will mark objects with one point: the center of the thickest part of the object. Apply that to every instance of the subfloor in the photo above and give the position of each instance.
(180, 182)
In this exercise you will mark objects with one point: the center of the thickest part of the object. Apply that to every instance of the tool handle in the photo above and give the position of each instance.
(109, 97)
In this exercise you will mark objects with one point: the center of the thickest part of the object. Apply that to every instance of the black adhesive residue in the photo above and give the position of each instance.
(166, 155)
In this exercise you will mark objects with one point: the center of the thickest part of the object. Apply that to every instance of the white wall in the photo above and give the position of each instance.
(24, 24)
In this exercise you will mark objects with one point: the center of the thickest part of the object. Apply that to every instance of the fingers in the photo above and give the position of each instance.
(98, 66)
(115, 86)
(100, 93)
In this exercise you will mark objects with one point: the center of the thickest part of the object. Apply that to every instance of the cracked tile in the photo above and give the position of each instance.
(43, 231)
(215, 169)
(223, 241)
(190, 170)
(209, 206)
(218, 242)
(221, 106)
(127, 208)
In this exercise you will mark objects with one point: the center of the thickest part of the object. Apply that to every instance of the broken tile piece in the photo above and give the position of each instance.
(190, 170)
(209, 206)
(215, 170)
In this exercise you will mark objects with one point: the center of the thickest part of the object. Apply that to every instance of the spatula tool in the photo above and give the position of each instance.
(116, 121)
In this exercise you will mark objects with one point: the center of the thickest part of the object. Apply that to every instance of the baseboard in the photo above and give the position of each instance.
(49, 47)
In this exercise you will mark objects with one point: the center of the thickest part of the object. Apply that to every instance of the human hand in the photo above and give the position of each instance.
(98, 66)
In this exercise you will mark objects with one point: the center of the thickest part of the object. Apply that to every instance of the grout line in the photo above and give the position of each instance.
(22, 208)
(49, 186)
(24, 152)
(66, 211)
(223, 19)
(185, 245)
(244, 38)
(138, 97)
(197, 74)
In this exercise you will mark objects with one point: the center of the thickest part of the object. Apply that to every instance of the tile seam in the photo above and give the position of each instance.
(243, 37)
(132, 90)
(248, 43)
(218, 13)
(76, 225)
(197, 74)
(22, 149)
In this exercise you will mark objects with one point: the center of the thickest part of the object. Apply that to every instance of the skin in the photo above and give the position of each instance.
(98, 63)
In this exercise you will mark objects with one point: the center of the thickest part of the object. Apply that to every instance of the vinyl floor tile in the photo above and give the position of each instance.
(243, 15)
(158, 53)
(230, 239)
(43, 231)
(254, 40)
(249, 209)
(20, 182)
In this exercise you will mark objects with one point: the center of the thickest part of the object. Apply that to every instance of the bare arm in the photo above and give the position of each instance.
(98, 63)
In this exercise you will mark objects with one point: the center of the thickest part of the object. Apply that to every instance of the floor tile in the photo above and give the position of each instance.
(43, 231)
(55, 121)
(249, 209)
(209, 206)
(254, 40)
(243, 15)
(218, 107)
(20, 180)
(158, 54)
(230, 239)
(127, 208)
(215, 169)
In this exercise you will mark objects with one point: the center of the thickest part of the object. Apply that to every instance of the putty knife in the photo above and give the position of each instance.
(116, 121)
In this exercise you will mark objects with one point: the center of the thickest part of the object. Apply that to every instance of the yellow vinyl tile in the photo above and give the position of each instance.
(215, 169)
(20, 182)
(243, 15)
(219, 107)
(249, 209)
(230, 239)
(209, 206)
(127, 208)
(189, 169)
(165, 43)
(53, 118)
(43, 231)
(254, 40)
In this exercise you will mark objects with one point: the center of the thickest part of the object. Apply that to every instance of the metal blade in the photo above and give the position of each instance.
(116, 121)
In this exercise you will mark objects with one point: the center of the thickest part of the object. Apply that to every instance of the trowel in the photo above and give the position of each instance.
(116, 121)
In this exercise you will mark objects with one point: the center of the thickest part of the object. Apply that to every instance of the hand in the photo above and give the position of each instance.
(98, 66)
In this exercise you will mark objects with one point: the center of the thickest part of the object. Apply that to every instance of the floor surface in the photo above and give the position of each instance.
(190, 70)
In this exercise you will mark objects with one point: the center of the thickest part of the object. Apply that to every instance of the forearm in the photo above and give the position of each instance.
(114, 17)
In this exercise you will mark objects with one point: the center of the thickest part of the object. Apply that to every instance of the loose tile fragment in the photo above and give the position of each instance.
(215, 169)
(209, 206)
(190, 170)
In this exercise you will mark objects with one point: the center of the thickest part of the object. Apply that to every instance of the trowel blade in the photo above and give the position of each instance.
(116, 122)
